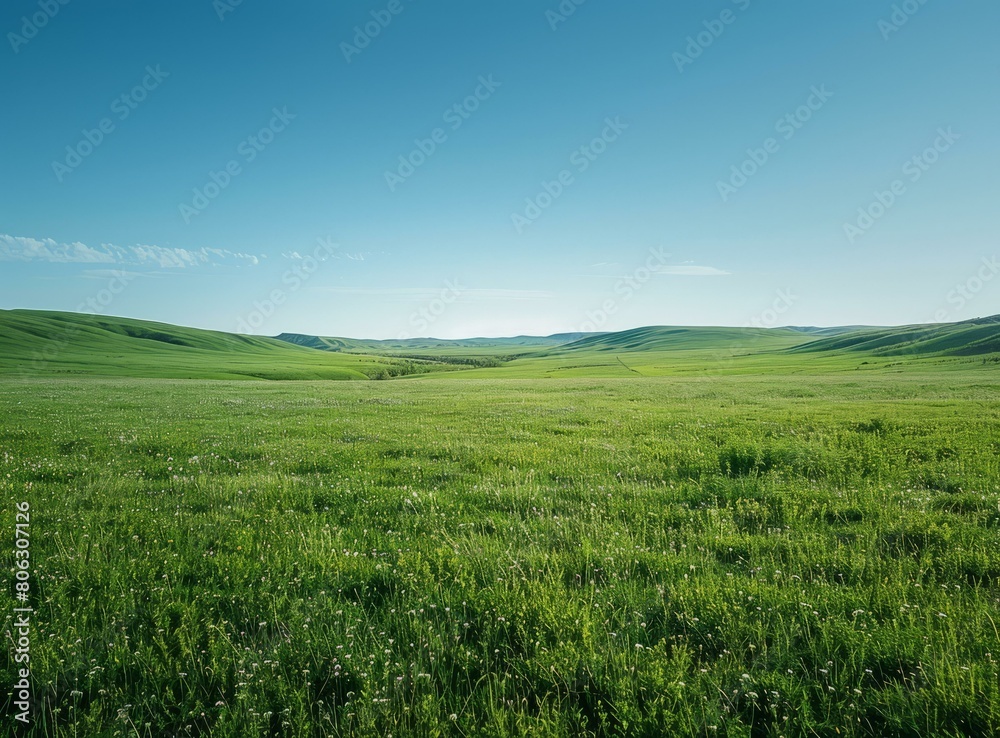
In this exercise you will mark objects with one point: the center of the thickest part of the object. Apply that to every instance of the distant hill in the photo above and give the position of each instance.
(436, 346)
(664, 338)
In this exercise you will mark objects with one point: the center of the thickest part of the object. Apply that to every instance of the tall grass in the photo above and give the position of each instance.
(735, 557)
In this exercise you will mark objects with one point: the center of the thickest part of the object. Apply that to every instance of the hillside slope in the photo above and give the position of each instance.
(967, 338)
(46, 343)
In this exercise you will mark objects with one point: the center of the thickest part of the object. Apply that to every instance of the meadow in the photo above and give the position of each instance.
(769, 554)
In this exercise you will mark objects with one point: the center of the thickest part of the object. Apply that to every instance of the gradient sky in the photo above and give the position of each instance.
(640, 233)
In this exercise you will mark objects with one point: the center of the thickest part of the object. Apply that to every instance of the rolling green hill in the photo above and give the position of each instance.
(967, 338)
(47, 343)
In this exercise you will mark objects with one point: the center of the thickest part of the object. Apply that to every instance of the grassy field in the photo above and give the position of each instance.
(709, 554)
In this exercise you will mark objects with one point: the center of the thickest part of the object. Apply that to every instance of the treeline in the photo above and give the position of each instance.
(401, 369)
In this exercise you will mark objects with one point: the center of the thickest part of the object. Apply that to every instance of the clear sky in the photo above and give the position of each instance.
(460, 167)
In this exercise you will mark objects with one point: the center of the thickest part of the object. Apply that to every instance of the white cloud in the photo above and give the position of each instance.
(15, 248)
(18, 248)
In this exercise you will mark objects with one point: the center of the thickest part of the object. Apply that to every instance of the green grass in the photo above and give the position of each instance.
(765, 554)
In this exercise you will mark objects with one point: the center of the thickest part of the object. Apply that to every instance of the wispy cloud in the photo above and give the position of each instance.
(19, 248)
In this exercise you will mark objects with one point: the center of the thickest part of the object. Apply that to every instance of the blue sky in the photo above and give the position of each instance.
(455, 168)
